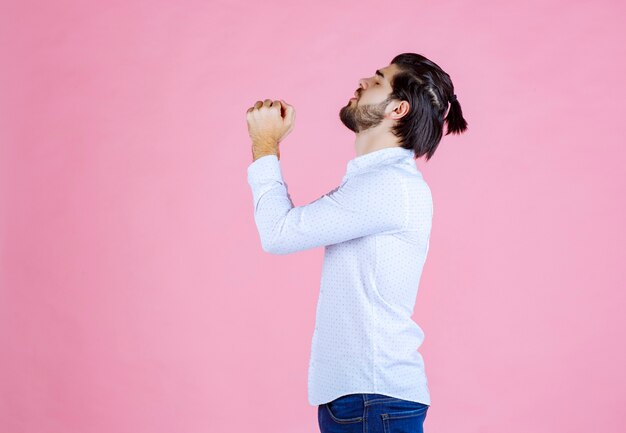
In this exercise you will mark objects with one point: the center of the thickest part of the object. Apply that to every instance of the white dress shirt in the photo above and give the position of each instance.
(375, 228)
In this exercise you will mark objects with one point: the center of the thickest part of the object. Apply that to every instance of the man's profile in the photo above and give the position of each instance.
(365, 372)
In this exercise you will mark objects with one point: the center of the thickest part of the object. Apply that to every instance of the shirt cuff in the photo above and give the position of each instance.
(264, 168)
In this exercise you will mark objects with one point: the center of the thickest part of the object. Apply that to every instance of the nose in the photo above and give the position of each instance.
(362, 86)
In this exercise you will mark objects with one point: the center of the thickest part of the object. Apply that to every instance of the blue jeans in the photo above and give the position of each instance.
(371, 413)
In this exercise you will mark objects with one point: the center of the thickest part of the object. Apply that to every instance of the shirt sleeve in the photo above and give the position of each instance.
(367, 203)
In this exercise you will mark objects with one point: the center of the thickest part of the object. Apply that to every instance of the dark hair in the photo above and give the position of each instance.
(427, 89)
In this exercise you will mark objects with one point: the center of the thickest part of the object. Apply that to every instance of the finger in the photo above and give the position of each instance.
(287, 106)
(258, 104)
(267, 102)
(283, 108)
(277, 105)
(290, 112)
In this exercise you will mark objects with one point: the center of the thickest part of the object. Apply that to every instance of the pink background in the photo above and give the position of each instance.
(134, 293)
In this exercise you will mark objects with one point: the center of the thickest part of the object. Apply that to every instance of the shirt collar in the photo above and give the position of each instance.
(377, 157)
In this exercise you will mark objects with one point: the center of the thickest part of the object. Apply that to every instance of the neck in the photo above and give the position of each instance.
(374, 139)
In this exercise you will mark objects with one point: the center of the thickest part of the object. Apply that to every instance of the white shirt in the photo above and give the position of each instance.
(375, 228)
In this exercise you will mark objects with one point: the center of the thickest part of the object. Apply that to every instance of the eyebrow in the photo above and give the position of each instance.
(380, 73)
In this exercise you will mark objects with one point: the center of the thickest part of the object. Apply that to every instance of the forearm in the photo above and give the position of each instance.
(271, 199)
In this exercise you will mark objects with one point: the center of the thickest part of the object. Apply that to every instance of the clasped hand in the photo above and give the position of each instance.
(268, 123)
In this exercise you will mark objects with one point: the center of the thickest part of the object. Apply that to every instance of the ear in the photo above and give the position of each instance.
(401, 110)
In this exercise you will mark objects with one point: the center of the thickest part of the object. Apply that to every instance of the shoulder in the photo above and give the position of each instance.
(380, 184)
(380, 176)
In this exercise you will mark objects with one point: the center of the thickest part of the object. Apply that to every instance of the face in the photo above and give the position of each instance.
(368, 108)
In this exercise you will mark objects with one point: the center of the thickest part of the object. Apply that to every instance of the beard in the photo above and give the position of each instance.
(360, 118)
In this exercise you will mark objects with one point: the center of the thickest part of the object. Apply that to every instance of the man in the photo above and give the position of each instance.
(365, 372)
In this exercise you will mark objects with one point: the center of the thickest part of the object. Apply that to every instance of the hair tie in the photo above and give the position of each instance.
(452, 98)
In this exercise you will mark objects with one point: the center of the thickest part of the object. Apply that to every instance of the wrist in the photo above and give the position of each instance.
(258, 154)
(264, 148)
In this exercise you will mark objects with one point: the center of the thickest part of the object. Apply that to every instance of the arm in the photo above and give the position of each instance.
(367, 203)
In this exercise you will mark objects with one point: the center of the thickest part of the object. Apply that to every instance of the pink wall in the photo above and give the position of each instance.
(134, 294)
